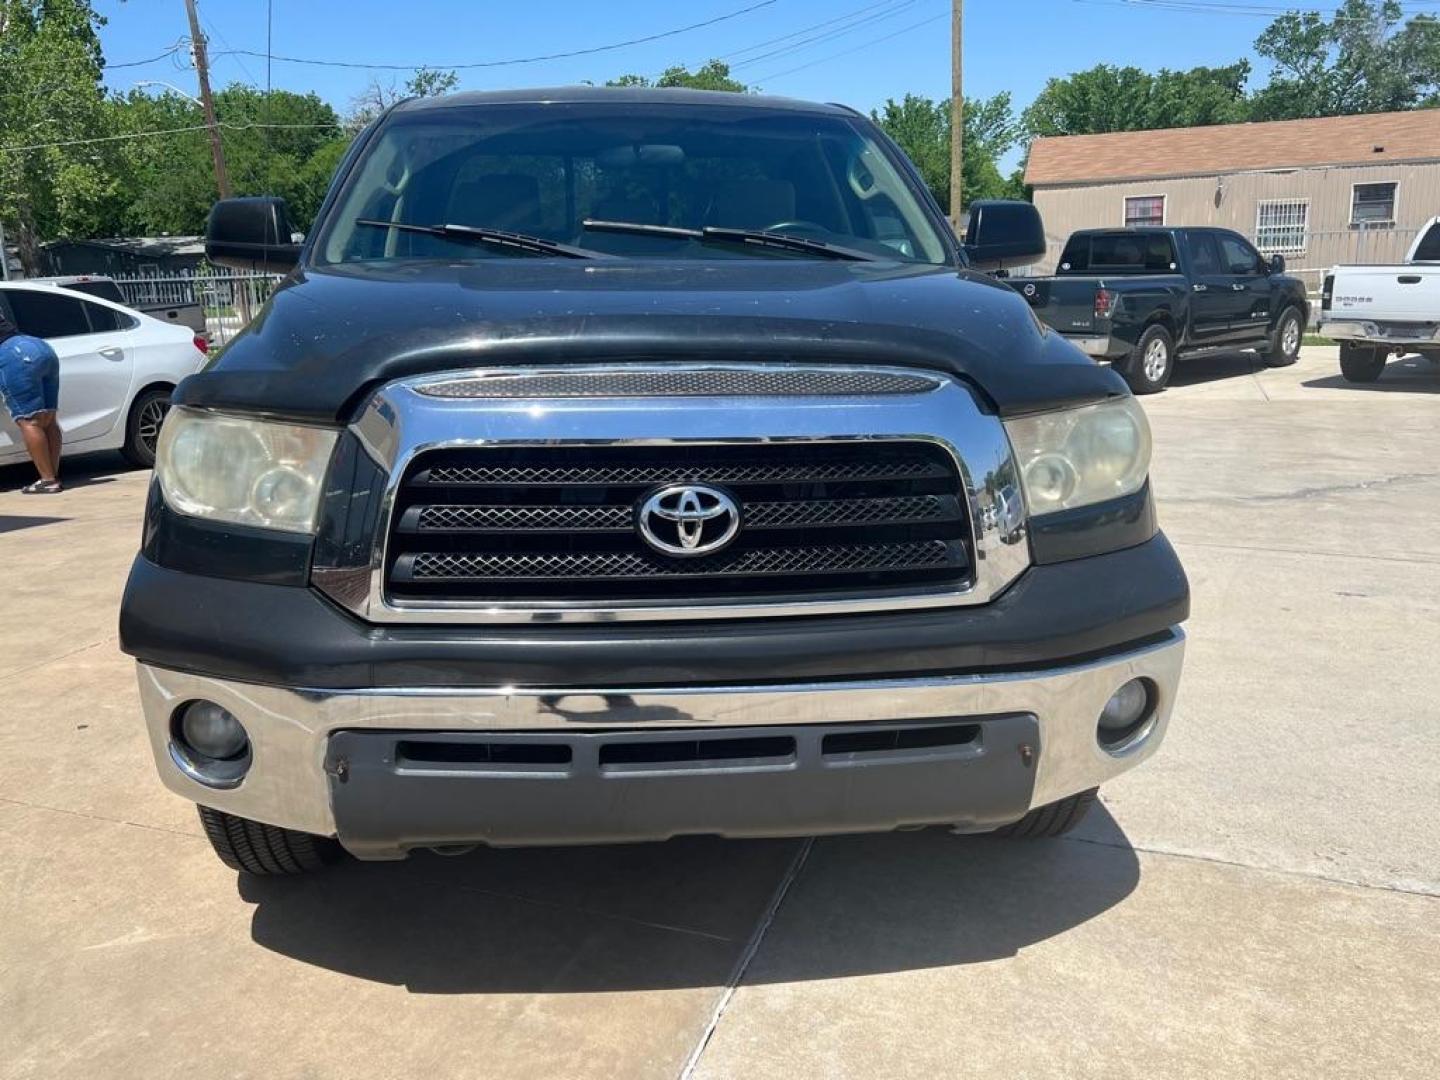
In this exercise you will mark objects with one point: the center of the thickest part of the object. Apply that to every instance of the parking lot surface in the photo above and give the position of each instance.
(1262, 899)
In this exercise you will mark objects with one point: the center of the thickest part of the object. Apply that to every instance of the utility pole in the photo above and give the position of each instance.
(957, 108)
(202, 70)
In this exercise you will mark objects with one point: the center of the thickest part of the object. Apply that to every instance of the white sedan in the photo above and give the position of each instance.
(117, 369)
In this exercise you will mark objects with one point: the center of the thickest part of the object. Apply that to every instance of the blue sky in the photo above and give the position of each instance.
(1008, 45)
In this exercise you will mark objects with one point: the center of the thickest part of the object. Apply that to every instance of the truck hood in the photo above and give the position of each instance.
(329, 336)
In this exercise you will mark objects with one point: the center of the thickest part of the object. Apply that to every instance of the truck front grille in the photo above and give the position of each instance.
(557, 523)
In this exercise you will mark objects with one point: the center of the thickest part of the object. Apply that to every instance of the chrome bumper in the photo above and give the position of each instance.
(290, 729)
(1379, 333)
(1098, 347)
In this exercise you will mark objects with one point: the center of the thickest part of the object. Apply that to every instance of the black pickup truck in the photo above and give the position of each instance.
(1140, 297)
(621, 464)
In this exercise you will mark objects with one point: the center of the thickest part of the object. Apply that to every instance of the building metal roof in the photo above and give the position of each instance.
(1368, 139)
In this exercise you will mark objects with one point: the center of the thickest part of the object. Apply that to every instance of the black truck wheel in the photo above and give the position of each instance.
(1054, 819)
(1361, 363)
(142, 426)
(266, 850)
(1284, 347)
(1147, 369)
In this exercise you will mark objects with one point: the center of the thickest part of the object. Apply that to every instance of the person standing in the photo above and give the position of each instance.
(30, 389)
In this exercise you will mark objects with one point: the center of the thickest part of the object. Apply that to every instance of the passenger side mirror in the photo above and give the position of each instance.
(1004, 233)
(1277, 264)
(251, 234)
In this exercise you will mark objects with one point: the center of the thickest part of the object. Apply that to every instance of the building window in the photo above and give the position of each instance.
(1372, 206)
(1144, 210)
(1280, 225)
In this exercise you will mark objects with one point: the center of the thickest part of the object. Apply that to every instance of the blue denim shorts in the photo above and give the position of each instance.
(29, 376)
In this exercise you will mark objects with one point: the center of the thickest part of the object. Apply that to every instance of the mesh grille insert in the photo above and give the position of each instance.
(545, 524)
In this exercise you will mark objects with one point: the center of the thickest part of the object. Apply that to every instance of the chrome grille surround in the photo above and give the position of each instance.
(713, 381)
(400, 422)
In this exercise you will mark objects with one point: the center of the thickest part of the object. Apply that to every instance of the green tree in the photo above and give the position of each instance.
(50, 92)
(921, 127)
(714, 75)
(1108, 98)
(1364, 59)
(282, 144)
(379, 96)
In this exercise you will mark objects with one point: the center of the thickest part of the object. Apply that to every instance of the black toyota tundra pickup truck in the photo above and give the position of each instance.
(1140, 297)
(615, 465)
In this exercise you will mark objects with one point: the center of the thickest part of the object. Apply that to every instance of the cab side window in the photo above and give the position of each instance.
(1204, 253)
(45, 314)
(1239, 257)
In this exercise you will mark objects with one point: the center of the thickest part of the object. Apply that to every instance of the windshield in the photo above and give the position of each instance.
(545, 170)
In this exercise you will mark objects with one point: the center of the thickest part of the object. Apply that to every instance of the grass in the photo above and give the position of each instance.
(1318, 339)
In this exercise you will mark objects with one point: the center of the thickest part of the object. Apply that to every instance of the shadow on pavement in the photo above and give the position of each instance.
(1409, 375)
(15, 522)
(1213, 367)
(661, 916)
(83, 470)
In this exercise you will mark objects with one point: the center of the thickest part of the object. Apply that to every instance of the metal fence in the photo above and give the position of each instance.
(211, 299)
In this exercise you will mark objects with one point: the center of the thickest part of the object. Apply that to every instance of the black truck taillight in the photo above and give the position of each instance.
(1327, 292)
(1104, 303)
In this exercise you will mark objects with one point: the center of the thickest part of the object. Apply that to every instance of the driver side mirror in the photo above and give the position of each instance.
(251, 234)
(1277, 264)
(1002, 233)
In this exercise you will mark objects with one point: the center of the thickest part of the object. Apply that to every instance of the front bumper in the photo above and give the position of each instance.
(392, 769)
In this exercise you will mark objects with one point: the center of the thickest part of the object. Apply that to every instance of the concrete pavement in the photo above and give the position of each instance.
(1259, 900)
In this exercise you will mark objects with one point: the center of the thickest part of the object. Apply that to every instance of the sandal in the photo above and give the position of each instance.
(42, 487)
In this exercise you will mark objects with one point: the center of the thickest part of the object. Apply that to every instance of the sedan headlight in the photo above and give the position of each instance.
(247, 472)
(1075, 457)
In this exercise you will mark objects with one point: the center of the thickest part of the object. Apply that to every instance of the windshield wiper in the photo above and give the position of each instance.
(718, 234)
(496, 237)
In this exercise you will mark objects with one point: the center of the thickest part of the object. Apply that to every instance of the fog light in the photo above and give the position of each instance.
(209, 744)
(212, 731)
(1128, 710)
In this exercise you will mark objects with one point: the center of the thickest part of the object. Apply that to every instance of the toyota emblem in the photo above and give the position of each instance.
(688, 519)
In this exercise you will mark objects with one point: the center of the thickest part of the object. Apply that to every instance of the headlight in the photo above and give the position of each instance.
(248, 472)
(1079, 456)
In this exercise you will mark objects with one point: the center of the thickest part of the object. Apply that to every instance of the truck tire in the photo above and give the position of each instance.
(142, 426)
(1284, 347)
(1361, 363)
(1055, 819)
(265, 850)
(1147, 369)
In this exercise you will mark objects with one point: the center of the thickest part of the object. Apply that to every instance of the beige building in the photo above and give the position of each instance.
(1319, 192)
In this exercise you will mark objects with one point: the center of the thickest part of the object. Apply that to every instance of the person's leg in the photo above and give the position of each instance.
(53, 437)
(37, 441)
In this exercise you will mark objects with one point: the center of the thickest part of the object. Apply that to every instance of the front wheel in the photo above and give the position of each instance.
(1284, 348)
(1053, 819)
(265, 850)
(1361, 363)
(1147, 369)
(142, 427)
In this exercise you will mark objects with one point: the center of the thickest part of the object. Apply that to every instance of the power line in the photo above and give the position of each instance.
(514, 60)
(222, 124)
(828, 35)
(855, 19)
(849, 15)
(858, 48)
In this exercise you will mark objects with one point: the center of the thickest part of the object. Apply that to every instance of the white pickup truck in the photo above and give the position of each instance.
(1378, 311)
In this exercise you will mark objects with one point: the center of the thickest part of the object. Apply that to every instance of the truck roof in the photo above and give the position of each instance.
(619, 95)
